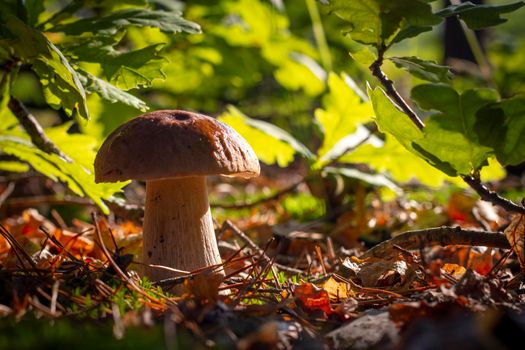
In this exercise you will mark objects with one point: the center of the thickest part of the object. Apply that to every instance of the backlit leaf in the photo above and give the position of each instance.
(272, 144)
(343, 110)
(376, 22)
(399, 163)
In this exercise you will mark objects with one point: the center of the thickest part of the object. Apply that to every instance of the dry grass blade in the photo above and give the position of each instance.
(117, 268)
(18, 249)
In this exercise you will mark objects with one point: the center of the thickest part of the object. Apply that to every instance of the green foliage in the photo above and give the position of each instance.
(344, 109)
(426, 70)
(78, 175)
(272, 144)
(169, 22)
(62, 87)
(501, 126)
(480, 16)
(377, 22)
(109, 92)
(450, 136)
(64, 68)
(95, 55)
(464, 129)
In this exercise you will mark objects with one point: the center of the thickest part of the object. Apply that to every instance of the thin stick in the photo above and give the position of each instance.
(34, 130)
(438, 236)
(7, 192)
(255, 247)
(15, 245)
(277, 195)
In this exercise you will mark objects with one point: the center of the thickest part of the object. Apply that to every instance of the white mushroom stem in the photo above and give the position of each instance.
(178, 229)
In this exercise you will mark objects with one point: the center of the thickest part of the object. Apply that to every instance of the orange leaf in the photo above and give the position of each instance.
(454, 270)
(313, 298)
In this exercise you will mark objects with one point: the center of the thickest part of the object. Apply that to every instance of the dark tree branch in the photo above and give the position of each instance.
(34, 130)
(491, 196)
(388, 84)
(442, 236)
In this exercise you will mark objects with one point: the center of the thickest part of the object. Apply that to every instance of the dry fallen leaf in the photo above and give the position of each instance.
(312, 298)
(454, 270)
(336, 290)
(515, 234)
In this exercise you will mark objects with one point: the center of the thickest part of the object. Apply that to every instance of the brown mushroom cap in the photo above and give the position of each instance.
(173, 143)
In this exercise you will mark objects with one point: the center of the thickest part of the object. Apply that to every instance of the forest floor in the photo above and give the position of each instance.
(288, 284)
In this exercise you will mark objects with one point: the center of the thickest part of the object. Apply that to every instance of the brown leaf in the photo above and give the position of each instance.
(384, 273)
(515, 234)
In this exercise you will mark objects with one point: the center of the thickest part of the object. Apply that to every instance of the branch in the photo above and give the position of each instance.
(491, 196)
(34, 129)
(388, 84)
(442, 236)
(474, 183)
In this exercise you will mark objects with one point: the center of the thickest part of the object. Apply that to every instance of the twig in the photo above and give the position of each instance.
(34, 130)
(255, 247)
(438, 236)
(491, 196)
(388, 84)
(17, 248)
(7, 192)
(277, 195)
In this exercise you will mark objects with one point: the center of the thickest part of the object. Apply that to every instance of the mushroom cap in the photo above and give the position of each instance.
(173, 143)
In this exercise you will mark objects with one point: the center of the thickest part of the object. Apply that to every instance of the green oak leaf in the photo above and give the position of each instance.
(343, 110)
(501, 125)
(77, 175)
(126, 70)
(168, 22)
(62, 87)
(376, 22)
(450, 136)
(426, 70)
(110, 92)
(401, 164)
(480, 16)
(272, 144)
(391, 120)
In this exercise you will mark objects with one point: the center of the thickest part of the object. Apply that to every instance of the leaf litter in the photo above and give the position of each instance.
(296, 290)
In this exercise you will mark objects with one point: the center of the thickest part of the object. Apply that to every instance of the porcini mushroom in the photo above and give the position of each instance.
(174, 151)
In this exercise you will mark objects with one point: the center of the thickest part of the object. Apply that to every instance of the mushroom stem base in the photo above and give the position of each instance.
(178, 228)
